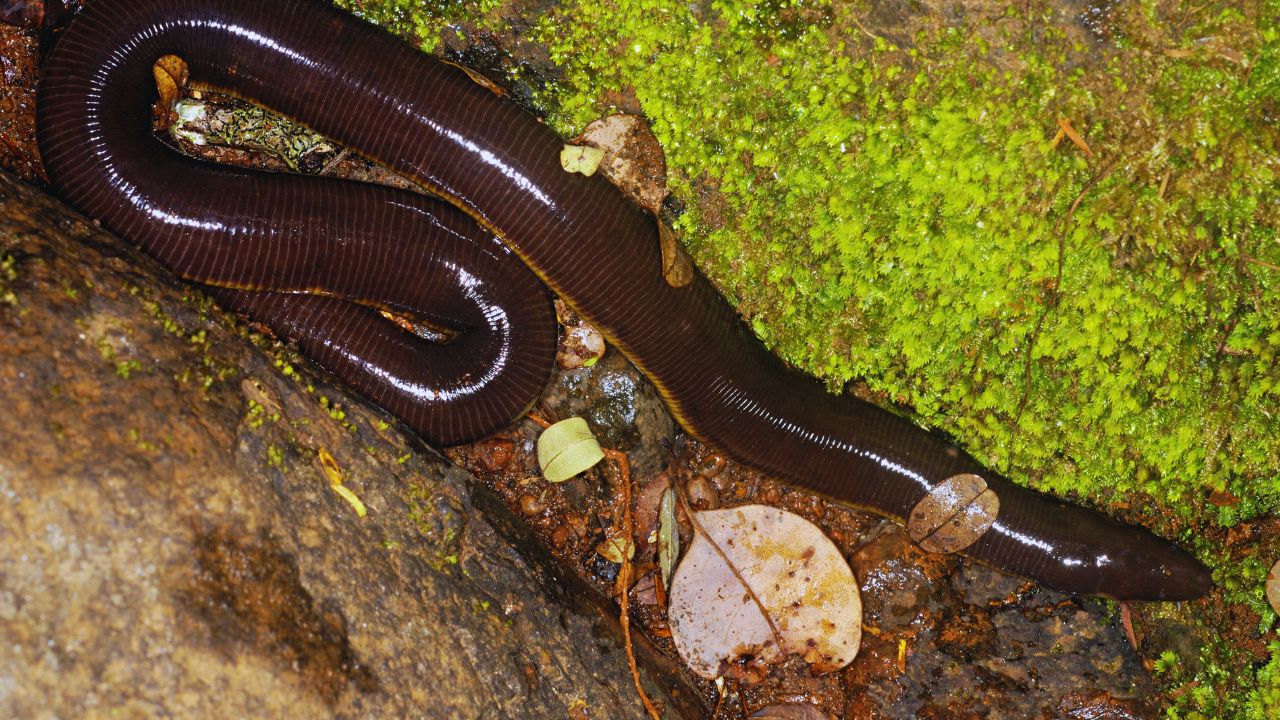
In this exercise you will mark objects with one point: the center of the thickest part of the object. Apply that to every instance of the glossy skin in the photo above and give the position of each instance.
(579, 235)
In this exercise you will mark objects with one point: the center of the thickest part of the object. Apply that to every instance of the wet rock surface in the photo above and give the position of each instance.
(18, 74)
(172, 548)
(943, 637)
(621, 407)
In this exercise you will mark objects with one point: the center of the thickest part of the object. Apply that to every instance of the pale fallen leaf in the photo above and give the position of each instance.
(633, 160)
(802, 596)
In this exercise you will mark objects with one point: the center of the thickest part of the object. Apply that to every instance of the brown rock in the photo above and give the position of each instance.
(170, 547)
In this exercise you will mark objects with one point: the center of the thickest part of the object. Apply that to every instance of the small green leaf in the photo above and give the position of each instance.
(668, 536)
(566, 449)
(581, 159)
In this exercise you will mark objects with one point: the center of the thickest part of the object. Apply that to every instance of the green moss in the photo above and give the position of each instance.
(423, 20)
(914, 229)
(336, 412)
(8, 274)
(275, 456)
(437, 521)
(913, 225)
(125, 368)
(1167, 661)
(1104, 326)
(1264, 698)
(286, 369)
(259, 414)
(135, 436)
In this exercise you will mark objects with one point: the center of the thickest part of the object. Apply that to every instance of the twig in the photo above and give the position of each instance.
(719, 700)
(1263, 263)
(333, 161)
(623, 584)
(865, 31)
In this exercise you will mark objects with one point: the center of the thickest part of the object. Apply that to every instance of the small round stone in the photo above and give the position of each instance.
(531, 505)
(702, 494)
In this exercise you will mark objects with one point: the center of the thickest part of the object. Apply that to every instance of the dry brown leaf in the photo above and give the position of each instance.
(677, 265)
(171, 74)
(633, 160)
(955, 513)
(1064, 125)
(1273, 587)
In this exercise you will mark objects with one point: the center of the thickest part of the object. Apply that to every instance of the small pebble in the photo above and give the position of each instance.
(702, 494)
(496, 454)
(531, 504)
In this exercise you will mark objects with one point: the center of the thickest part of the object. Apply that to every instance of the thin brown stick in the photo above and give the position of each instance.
(719, 700)
(622, 586)
(1263, 263)
(333, 161)
(865, 31)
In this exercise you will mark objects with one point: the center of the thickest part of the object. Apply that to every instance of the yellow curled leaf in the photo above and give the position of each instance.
(566, 449)
(170, 74)
(333, 473)
(581, 159)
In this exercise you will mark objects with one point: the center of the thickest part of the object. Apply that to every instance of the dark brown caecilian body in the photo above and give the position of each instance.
(578, 234)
